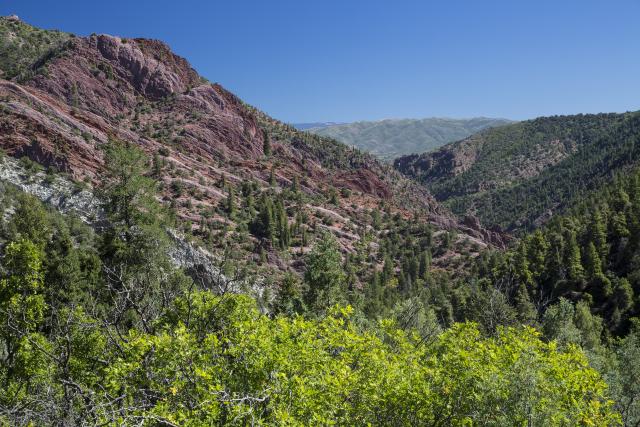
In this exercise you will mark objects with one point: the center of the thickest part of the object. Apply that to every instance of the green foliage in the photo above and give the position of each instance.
(22, 305)
(140, 277)
(324, 275)
(218, 361)
(266, 144)
(625, 376)
(520, 172)
(23, 48)
(110, 340)
(591, 255)
(30, 221)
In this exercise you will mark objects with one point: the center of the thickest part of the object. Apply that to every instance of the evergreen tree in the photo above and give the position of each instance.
(324, 275)
(425, 264)
(266, 143)
(288, 300)
(537, 248)
(525, 310)
(573, 259)
(264, 224)
(284, 235)
(597, 231)
(139, 274)
(30, 221)
(272, 178)
(230, 203)
(593, 265)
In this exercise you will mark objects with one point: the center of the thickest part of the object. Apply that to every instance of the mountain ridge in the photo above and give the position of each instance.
(213, 155)
(391, 138)
(517, 176)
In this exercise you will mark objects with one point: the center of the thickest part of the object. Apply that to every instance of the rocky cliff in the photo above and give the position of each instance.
(78, 93)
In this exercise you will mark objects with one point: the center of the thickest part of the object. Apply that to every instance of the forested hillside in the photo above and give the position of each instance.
(172, 256)
(392, 138)
(578, 279)
(101, 328)
(517, 176)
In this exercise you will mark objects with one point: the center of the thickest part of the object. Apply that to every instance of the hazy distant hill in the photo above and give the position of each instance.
(388, 139)
(318, 125)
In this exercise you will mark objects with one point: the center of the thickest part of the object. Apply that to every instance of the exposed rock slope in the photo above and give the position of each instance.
(81, 92)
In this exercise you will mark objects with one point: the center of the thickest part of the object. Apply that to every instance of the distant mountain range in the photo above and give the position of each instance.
(392, 138)
(316, 125)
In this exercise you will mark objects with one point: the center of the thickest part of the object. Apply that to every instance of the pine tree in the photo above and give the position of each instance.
(230, 202)
(575, 271)
(387, 270)
(324, 275)
(288, 300)
(413, 268)
(135, 242)
(623, 295)
(250, 204)
(425, 264)
(264, 223)
(537, 247)
(373, 297)
(266, 143)
(333, 196)
(593, 265)
(521, 265)
(525, 310)
(597, 231)
(284, 236)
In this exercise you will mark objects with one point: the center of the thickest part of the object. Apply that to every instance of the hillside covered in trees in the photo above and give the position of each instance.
(102, 328)
(172, 256)
(518, 175)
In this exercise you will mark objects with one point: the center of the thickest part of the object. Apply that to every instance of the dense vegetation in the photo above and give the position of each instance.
(578, 279)
(22, 46)
(318, 307)
(388, 139)
(102, 328)
(523, 171)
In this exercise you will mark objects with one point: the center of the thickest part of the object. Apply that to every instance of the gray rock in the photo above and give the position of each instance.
(67, 198)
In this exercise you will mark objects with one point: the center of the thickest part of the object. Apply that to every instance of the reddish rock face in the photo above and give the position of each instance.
(101, 87)
(365, 181)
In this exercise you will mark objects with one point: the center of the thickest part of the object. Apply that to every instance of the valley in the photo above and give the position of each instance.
(171, 255)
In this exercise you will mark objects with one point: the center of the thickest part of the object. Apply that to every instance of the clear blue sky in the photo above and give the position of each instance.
(348, 60)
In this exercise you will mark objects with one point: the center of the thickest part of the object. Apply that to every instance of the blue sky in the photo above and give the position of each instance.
(359, 60)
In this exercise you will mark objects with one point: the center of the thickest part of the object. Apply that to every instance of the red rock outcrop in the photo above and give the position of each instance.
(93, 89)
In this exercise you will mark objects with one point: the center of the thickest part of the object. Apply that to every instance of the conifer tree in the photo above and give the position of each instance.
(324, 275)
(525, 310)
(266, 143)
(264, 223)
(573, 261)
(425, 264)
(597, 231)
(593, 265)
(230, 202)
